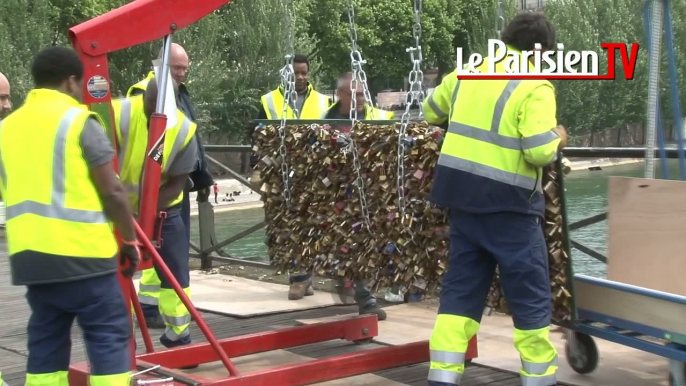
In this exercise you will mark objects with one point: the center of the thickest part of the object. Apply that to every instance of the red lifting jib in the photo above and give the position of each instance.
(139, 22)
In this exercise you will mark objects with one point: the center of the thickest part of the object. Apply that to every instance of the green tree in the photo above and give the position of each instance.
(384, 31)
(24, 30)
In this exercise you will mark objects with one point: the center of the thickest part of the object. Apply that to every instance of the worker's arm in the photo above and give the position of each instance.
(538, 127)
(184, 163)
(263, 114)
(436, 106)
(98, 153)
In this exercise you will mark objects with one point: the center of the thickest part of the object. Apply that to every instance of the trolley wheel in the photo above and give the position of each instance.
(672, 382)
(364, 341)
(586, 359)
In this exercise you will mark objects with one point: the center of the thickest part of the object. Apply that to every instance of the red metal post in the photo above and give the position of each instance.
(357, 328)
(340, 366)
(152, 173)
(159, 263)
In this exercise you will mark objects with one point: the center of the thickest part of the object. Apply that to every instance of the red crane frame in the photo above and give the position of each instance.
(143, 21)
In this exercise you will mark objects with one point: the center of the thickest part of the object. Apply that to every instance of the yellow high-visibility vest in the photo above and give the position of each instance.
(370, 113)
(55, 224)
(315, 103)
(142, 85)
(132, 137)
(496, 145)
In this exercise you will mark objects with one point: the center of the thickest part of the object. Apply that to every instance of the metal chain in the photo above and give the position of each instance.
(356, 59)
(358, 72)
(414, 94)
(290, 96)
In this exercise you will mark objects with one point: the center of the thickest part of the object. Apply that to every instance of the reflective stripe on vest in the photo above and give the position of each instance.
(271, 109)
(56, 209)
(178, 142)
(493, 137)
(124, 127)
(434, 107)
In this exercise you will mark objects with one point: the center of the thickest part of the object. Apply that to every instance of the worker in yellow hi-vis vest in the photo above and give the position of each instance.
(179, 159)
(500, 135)
(310, 103)
(62, 198)
(200, 179)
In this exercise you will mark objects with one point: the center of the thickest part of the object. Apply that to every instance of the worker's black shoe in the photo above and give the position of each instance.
(155, 322)
(373, 309)
(168, 343)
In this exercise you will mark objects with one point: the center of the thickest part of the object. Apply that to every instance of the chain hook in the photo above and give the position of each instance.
(358, 73)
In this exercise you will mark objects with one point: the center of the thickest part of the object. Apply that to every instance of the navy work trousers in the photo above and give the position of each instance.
(98, 306)
(515, 243)
(174, 251)
(152, 311)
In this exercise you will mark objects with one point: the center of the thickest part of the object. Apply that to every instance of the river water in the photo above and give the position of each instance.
(586, 196)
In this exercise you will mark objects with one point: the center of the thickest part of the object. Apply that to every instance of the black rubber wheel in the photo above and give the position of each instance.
(671, 378)
(586, 361)
(363, 341)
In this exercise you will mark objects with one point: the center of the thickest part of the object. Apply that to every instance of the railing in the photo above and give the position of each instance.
(605, 152)
(210, 249)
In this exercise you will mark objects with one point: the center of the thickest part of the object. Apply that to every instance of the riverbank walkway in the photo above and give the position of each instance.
(15, 312)
(494, 367)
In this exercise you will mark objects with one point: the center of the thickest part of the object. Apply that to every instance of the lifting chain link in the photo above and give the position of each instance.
(414, 94)
(357, 72)
(289, 100)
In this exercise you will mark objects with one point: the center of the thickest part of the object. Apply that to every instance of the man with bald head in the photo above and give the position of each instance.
(5, 104)
(200, 178)
(179, 157)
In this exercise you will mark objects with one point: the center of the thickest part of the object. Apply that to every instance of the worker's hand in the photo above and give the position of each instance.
(562, 133)
(130, 251)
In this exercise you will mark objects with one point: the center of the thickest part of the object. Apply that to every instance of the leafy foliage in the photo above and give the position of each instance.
(237, 51)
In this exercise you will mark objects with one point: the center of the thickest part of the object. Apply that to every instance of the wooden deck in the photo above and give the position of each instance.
(14, 315)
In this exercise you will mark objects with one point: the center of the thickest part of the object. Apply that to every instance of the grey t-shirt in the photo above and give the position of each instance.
(96, 148)
(186, 160)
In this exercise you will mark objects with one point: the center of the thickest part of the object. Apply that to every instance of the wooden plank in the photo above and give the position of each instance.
(647, 219)
(240, 297)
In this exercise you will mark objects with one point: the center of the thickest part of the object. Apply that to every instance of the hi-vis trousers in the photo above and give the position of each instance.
(149, 286)
(478, 242)
(174, 252)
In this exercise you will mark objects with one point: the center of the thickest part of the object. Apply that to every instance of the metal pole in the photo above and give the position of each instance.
(164, 73)
(653, 86)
